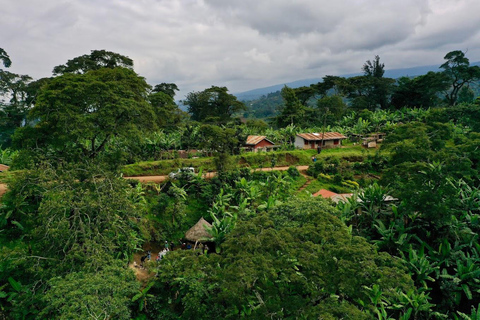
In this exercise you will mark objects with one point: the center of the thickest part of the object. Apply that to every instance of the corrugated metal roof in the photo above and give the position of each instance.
(253, 140)
(318, 136)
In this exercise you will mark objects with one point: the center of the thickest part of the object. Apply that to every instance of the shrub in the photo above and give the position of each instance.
(293, 172)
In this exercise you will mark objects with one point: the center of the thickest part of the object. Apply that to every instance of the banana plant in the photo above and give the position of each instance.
(143, 296)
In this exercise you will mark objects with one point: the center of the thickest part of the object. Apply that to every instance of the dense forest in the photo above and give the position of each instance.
(79, 241)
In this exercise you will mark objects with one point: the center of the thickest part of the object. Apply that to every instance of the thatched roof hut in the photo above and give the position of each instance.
(198, 232)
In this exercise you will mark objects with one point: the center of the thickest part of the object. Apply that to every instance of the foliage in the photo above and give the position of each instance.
(80, 113)
(102, 294)
(322, 277)
(293, 112)
(14, 103)
(460, 74)
(214, 104)
(96, 60)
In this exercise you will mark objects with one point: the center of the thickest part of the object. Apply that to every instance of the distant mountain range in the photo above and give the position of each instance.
(393, 73)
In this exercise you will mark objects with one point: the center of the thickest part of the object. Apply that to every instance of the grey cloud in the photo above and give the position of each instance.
(240, 44)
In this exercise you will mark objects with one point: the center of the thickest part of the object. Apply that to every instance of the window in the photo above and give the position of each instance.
(306, 142)
(336, 141)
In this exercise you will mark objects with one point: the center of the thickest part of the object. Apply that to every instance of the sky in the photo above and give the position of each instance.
(243, 44)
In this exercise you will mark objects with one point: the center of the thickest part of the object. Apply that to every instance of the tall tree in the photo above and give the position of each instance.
(374, 68)
(96, 60)
(420, 92)
(5, 58)
(83, 111)
(13, 100)
(162, 100)
(379, 88)
(214, 104)
(293, 112)
(457, 68)
(167, 88)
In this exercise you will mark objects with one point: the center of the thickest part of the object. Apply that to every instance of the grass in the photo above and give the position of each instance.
(250, 160)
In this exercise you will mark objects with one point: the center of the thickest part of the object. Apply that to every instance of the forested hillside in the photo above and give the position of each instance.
(268, 106)
(387, 232)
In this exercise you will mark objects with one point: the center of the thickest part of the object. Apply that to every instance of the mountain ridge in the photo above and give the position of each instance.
(392, 73)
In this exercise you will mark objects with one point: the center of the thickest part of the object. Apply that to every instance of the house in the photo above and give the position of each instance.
(335, 197)
(317, 140)
(343, 197)
(256, 143)
(3, 167)
(198, 233)
(372, 139)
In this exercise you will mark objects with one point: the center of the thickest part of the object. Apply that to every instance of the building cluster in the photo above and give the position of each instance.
(314, 140)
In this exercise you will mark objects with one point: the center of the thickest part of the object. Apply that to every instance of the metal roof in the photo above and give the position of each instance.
(318, 136)
(254, 140)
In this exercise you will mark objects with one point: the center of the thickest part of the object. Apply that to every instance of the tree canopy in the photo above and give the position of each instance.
(214, 104)
(97, 59)
(83, 111)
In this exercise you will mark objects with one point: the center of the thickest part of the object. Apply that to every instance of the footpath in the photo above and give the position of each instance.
(159, 179)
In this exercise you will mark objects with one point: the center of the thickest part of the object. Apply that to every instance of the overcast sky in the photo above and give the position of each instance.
(242, 44)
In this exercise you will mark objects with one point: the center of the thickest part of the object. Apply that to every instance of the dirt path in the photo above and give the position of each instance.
(159, 179)
(306, 184)
(208, 175)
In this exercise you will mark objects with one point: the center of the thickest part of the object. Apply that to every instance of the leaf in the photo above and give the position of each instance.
(467, 291)
(17, 224)
(15, 285)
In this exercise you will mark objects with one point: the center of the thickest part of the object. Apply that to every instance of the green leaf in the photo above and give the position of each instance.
(15, 285)
(17, 224)
(467, 291)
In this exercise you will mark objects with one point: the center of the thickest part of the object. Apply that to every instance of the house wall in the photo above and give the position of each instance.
(300, 143)
(262, 144)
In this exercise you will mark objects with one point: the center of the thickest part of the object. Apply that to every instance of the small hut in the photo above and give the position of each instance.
(197, 233)
(3, 167)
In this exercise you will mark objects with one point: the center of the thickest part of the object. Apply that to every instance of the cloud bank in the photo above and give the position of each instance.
(239, 44)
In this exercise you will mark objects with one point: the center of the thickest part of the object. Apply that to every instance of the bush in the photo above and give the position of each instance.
(293, 172)
(338, 179)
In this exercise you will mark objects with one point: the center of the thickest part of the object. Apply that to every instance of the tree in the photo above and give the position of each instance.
(102, 294)
(457, 68)
(374, 69)
(98, 59)
(81, 112)
(167, 88)
(70, 232)
(4, 57)
(293, 112)
(379, 88)
(214, 104)
(420, 92)
(14, 104)
(331, 108)
(297, 261)
(167, 112)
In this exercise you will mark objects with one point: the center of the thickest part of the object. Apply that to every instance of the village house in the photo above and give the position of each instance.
(368, 140)
(372, 139)
(3, 167)
(335, 197)
(257, 143)
(317, 140)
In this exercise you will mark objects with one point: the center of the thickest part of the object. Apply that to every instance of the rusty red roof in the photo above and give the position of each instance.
(3, 167)
(254, 140)
(318, 136)
(325, 193)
